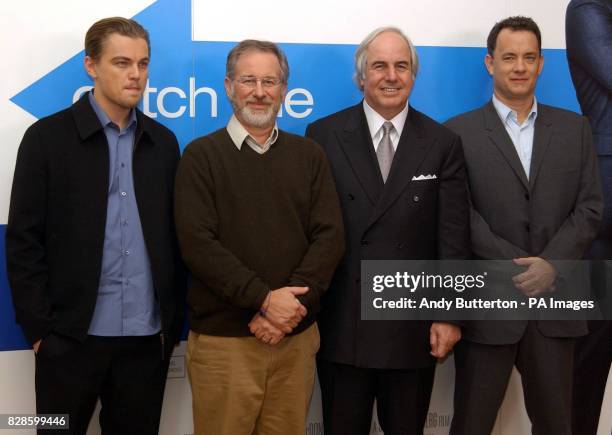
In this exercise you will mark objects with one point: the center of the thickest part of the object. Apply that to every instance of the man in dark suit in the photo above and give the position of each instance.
(92, 257)
(536, 198)
(401, 181)
(588, 24)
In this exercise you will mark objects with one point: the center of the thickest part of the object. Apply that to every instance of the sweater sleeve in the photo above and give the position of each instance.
(325, 235)
(197, 226)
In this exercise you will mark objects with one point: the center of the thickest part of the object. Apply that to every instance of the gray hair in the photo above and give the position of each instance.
(362, 51)
(256, 45)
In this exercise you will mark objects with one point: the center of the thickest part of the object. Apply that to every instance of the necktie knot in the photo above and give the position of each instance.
(387, 127)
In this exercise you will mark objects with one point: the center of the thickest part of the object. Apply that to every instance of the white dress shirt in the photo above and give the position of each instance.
(375, 123)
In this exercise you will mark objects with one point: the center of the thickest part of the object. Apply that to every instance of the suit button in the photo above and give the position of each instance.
(527, 227)
(527, 196)
(365, 243)
(351, 197)
(415, 198)
(399, 245)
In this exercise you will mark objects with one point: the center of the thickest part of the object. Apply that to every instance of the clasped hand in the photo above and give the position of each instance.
(280, 313)
(537, 279)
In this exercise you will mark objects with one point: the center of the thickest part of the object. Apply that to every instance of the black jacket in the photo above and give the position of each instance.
(56, 224)
(403, 219)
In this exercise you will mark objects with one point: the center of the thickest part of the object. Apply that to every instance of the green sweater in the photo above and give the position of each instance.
(248, 223)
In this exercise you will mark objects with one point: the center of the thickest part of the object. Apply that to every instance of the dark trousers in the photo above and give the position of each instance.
(592, 359)
(126, 373)
(483, 372)
(348, 393)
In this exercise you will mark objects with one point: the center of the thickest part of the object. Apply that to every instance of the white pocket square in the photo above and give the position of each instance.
(424, 177)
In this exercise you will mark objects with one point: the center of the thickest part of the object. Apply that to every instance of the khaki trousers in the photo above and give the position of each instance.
(242, 386)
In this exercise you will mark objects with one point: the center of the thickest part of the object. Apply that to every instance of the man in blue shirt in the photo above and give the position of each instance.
(535, 198)
(93, 262)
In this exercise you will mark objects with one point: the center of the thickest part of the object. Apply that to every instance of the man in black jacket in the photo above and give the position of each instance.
(401, 181)
(92, 257)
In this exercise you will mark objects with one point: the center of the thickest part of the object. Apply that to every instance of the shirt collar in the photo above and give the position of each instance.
(506, 113)
(103, 117)
(238, 133)
(376, 121)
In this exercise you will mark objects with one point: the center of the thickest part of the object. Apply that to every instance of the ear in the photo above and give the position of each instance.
(488, 60)
(228, 86)
(360, 83)
(90, 67)
(541, 64)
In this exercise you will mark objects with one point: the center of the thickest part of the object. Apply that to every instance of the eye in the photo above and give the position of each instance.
(121, 63)
(144, 64)
(269, 82)
(247, 81)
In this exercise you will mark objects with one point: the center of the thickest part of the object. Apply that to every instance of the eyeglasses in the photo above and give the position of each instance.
(251, 82)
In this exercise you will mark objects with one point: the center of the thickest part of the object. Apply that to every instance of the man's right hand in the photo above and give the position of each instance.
(265, 331)
(282, 308)
(36, 345)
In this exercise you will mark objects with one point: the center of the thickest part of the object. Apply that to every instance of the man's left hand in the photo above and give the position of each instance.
(442, 338)
(538, 278)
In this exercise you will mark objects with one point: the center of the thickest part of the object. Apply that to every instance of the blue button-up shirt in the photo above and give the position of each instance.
(520, 134)
(126, 302)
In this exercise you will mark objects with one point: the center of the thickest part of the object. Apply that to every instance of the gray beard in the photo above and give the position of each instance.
(259, 120)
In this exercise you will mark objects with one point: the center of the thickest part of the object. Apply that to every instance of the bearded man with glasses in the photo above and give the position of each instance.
(259, 225)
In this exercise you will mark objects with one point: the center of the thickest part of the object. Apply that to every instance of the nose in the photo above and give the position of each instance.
(134, 71)
(391, 75)
(519, 65)
(258, 91)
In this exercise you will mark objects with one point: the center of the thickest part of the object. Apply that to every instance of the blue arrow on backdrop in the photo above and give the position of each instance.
(451, 79)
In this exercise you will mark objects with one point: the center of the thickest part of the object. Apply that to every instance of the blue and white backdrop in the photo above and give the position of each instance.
(41, 72)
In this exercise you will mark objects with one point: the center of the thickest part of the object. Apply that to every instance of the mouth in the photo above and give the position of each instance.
(390, 90)
(258, 105)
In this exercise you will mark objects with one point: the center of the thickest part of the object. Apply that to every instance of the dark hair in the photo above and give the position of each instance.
(256, 45)
(99, 32)
(513, 23)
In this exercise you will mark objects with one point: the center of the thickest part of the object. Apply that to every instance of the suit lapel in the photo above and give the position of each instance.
(499, 136)
(412, 148)
(541, 140)
(357, 147)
